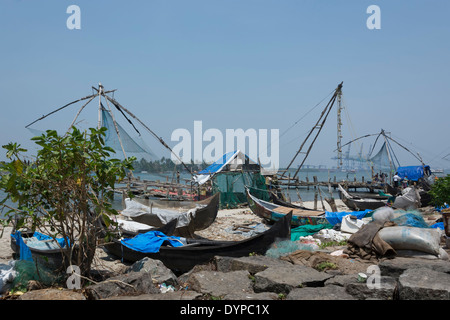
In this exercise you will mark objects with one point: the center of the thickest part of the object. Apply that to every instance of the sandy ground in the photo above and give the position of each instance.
(242, 219)
(5, 245)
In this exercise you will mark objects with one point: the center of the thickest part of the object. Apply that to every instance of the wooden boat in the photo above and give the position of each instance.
(198, 251)
(192, 215)
(369, 195)
(167, 229)
(277, 200)
(51, 258)
(273, 212)
(360, 204)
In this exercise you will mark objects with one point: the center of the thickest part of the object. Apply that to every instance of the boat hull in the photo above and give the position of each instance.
(203, 218)
(184, 258)
(274, 212)
(360, 204)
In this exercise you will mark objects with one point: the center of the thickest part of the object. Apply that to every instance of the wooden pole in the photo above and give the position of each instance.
(79, 111)
(100, 90)
(315, 200)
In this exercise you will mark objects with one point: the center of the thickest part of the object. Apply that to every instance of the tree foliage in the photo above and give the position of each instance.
(440, 191)
(66, 191)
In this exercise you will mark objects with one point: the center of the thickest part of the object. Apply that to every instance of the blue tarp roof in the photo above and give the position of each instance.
(213, 168)
(413, 173)
(216, 166)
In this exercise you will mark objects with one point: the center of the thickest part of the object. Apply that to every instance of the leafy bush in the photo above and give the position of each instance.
(440, 191)
(66, 191)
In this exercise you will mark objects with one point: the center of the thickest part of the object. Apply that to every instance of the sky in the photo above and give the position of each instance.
(250, 64)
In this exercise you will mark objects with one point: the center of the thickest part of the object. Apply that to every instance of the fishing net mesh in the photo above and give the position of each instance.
(380, 161)
(231, 186)
(34, 270)
(130, 146)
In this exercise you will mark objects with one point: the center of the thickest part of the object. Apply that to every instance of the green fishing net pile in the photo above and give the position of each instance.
(30, 270)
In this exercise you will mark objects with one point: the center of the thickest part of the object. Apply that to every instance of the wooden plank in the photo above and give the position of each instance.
(298, 212)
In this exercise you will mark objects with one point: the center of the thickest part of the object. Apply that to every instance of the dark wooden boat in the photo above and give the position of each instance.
(360, 204)
(167, 229)
(201, 214)
(53, 258)
(199, 251)
(273, 212)
(277, 200)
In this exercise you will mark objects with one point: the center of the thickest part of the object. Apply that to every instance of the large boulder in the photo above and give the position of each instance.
(132, 284)
(284, 279)
(52, 294)
(330, 292)
(220, 284)
(424, 284)
(158, 271)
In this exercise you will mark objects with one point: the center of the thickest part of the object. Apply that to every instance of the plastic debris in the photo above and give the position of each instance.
(7, 275)
(163, 288)
(283, 248)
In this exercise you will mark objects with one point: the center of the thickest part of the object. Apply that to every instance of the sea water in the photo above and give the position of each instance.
(305, 194)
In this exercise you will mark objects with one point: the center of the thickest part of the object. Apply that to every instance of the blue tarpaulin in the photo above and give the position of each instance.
(25, 253)
(213, 168)
(438, 225)
(150, 242)
(42, 237)
(336, 217)
(413, 173)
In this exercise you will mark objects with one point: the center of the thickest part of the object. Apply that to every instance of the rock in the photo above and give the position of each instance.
(317, 259)
(252, 296)
(106, 262)
(158, 271)
(342, 280)
(424, 284)
(133, 283)
(330, 292)
(252, 264)
(284, 279)
(176, 295)
(384, 290)
(220, 284)
(395, 267)
(52, 294)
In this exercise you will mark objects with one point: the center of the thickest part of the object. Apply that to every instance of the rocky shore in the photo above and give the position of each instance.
(322, 274)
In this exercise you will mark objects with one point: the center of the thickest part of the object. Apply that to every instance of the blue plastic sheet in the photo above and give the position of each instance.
(438, 225)
(41, 236)
(439, 209)
(411, 220)
(413, 173)
(150, 242)
(336, 217)
(24, 251)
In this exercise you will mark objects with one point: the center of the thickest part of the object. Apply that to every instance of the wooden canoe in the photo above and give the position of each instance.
(358, 203)
(199, 251)
(201, 214)
(273, 212)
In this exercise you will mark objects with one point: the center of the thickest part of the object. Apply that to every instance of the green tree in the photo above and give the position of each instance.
(440, 191)
(66, 191)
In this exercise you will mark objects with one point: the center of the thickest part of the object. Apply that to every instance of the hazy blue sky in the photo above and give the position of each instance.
(259, 64)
